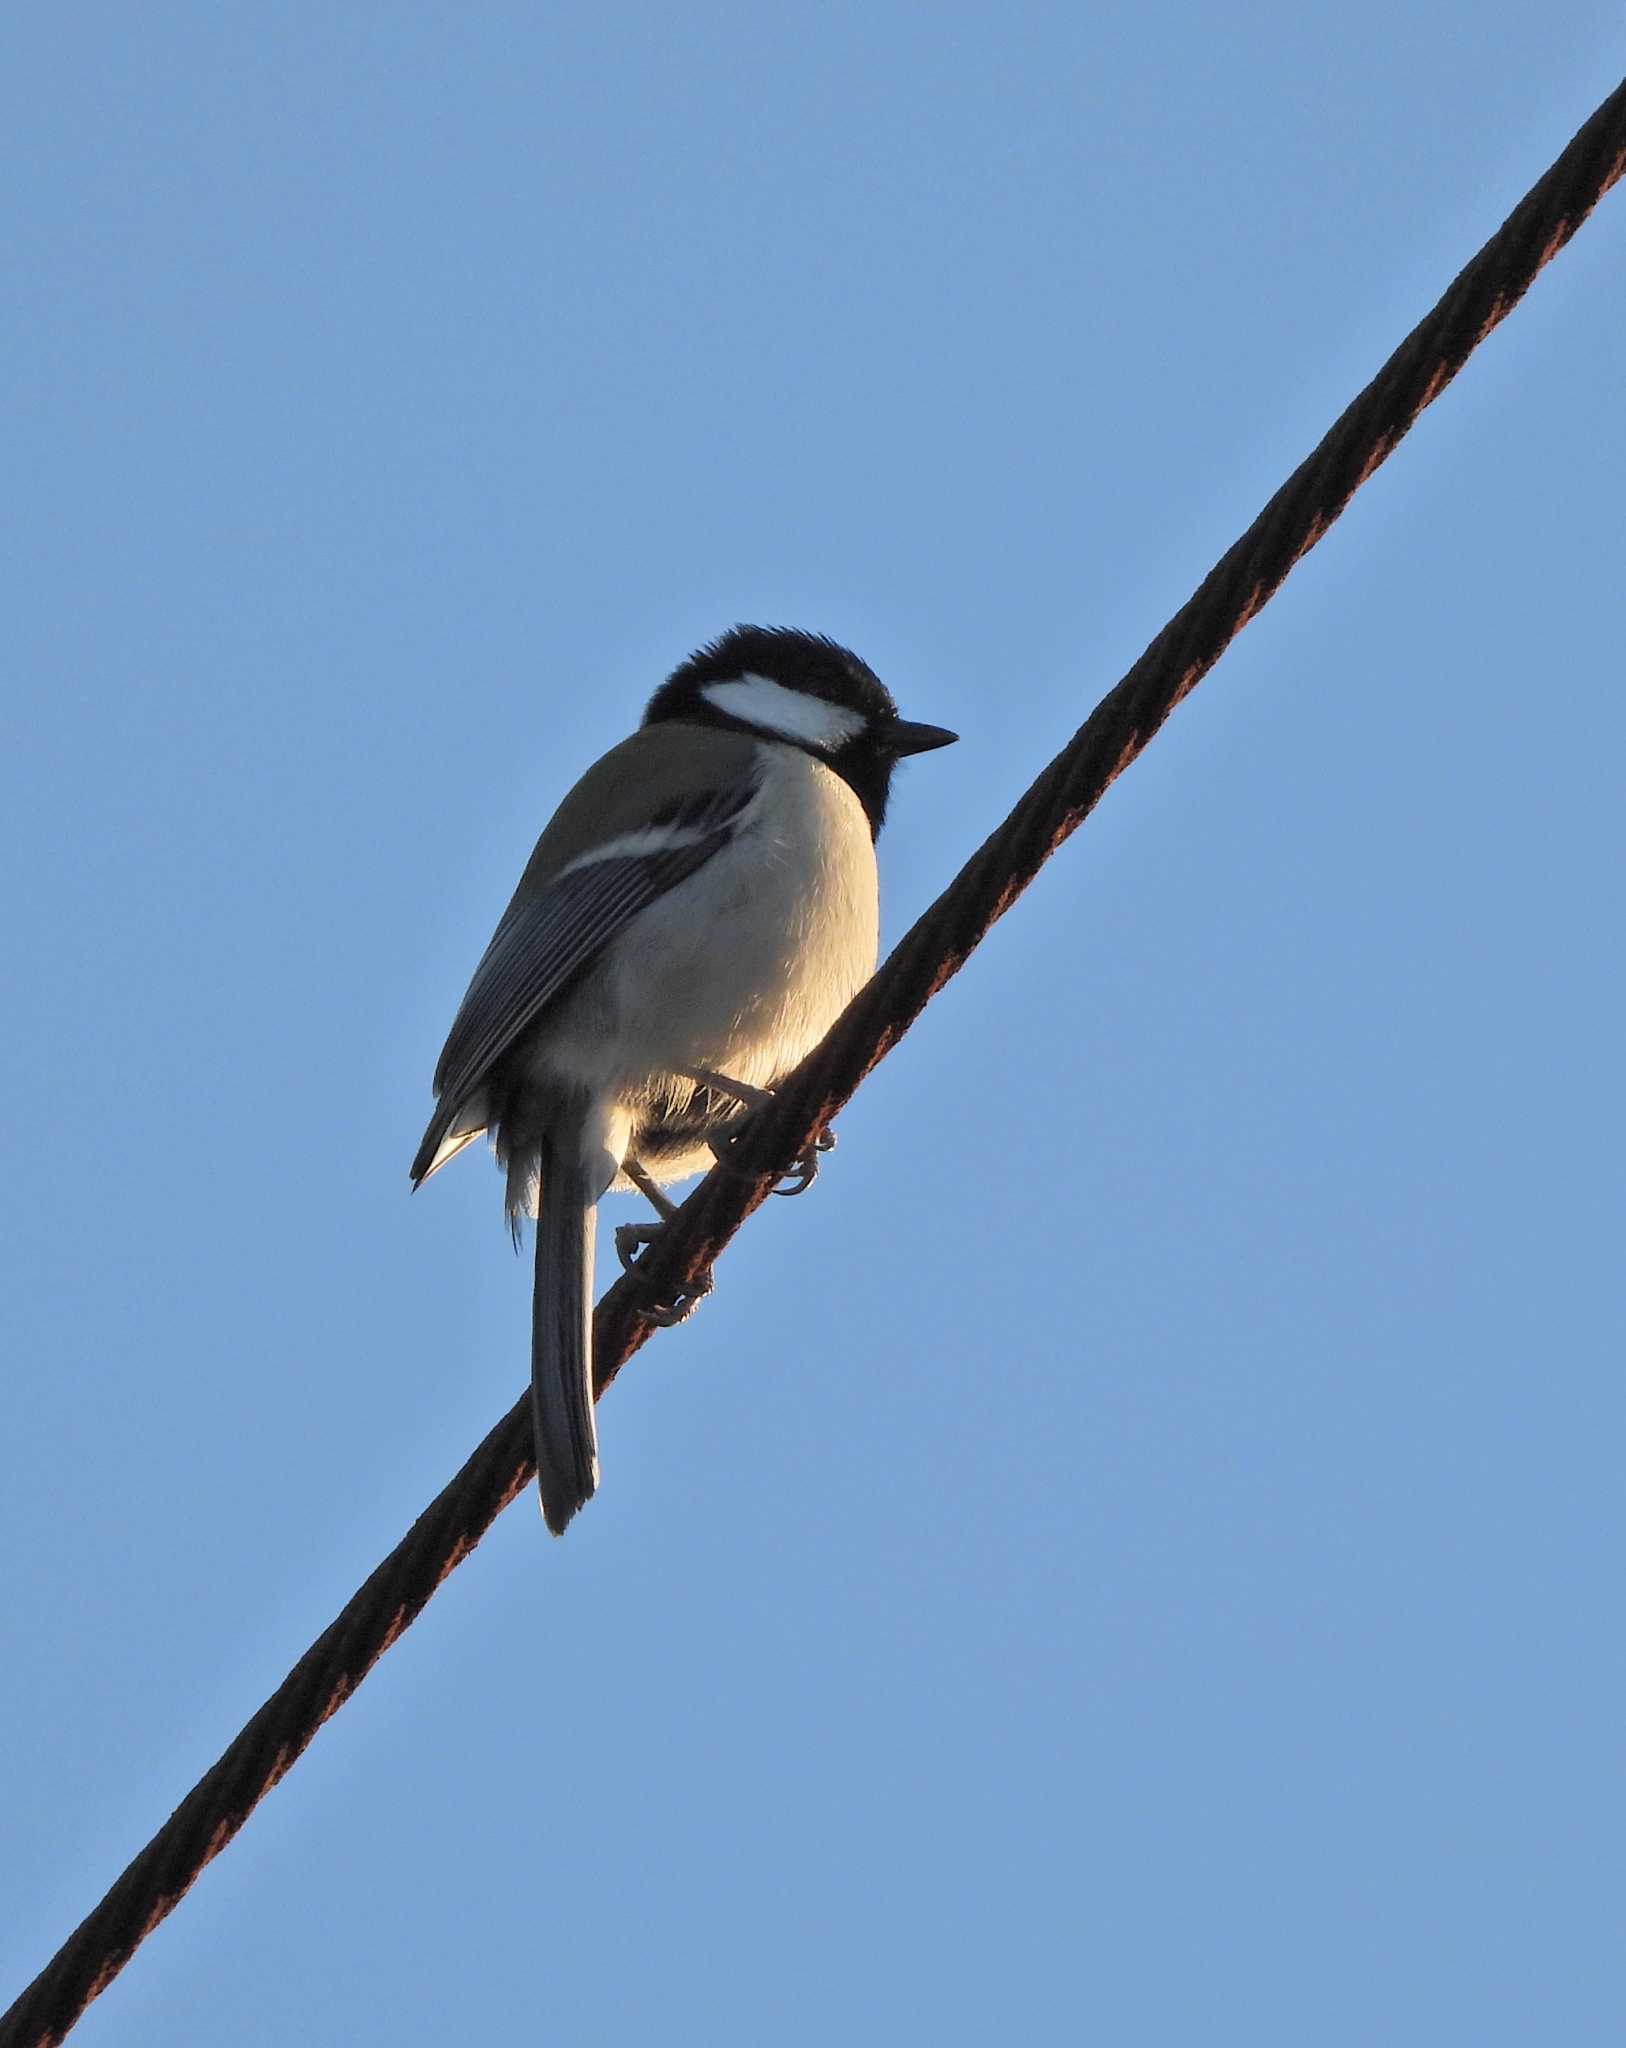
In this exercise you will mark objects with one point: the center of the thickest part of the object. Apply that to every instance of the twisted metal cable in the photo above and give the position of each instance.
(933, 951)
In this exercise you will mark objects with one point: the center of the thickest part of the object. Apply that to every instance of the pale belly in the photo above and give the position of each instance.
(739, 970)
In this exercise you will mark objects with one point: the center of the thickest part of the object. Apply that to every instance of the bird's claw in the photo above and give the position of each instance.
(631, 1239)
(800, 1174)
(666, 1315)
(805, 1171)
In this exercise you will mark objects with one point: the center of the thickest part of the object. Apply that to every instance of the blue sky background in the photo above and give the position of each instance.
(1134, 1556)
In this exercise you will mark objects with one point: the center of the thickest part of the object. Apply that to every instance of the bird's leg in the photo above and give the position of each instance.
(632, 1238)
(741, 1091)
(725, 1150)
(663, 1205)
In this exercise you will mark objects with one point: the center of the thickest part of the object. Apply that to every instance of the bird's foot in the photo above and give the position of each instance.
(631, 1240)
(726, 1149)
(798, 1177)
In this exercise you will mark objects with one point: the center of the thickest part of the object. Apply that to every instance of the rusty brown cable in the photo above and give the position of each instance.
(935, 949)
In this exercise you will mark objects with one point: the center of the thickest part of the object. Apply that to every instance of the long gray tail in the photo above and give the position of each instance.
(562, 1337)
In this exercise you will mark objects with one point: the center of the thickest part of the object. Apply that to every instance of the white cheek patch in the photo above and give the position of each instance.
(791, 714)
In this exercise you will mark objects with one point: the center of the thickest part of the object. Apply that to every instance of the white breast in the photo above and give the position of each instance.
(744, 966)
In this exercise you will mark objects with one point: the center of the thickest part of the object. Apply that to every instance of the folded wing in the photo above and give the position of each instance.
(547, 939)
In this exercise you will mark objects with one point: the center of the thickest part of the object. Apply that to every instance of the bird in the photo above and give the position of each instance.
(698, 911)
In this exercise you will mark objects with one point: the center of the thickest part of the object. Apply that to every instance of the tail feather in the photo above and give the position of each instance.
(562, 1338)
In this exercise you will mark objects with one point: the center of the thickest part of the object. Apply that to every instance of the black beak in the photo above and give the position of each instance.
(903, 737)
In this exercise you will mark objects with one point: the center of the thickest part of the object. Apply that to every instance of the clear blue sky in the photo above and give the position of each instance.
(1134, 1556)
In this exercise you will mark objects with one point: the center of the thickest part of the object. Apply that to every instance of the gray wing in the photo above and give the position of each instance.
(543, 944)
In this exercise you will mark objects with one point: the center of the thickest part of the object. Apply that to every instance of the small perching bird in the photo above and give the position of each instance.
(699, 911)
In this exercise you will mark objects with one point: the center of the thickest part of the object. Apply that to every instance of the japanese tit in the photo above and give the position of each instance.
(699, 910)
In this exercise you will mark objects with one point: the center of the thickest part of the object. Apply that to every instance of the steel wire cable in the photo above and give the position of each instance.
(932, 951)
